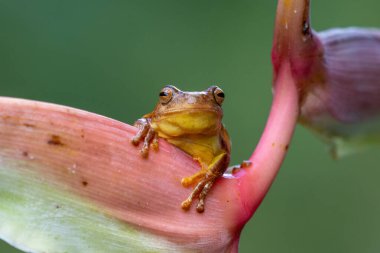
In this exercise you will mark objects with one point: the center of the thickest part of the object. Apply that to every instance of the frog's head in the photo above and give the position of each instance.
(182, 112)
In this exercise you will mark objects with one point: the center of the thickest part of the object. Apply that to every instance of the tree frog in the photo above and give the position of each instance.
(192, 121)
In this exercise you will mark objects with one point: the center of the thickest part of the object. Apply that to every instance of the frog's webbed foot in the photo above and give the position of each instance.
(200, 191)
(147, 134)
(205, 178)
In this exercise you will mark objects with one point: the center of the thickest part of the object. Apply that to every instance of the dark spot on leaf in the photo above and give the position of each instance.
(55, 140)
(29, 125)
(84, 183)
(57, 206)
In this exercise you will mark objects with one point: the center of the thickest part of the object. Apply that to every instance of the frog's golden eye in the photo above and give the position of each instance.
(219, 95)
(166, 95)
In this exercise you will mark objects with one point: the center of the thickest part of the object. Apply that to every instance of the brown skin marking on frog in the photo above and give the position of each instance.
(84, 183)
(55, 140)
(192, 121)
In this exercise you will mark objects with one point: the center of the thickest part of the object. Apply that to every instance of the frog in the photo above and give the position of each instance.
(191, 121)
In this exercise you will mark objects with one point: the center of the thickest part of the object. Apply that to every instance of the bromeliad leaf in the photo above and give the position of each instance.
(70, 181)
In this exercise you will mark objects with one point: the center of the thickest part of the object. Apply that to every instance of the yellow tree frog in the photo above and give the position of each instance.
(192, 121)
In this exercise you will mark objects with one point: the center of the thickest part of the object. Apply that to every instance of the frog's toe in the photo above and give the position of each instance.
(154, 143)
(149, 140)
(245, 164)
(144, 151)
(189, 181)
(137, 138)
(143, 127)
(135, 141)
(186, 204)
(203, 194)
(201, 206)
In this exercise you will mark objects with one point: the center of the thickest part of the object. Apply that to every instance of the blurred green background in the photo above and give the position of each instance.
(113, 57)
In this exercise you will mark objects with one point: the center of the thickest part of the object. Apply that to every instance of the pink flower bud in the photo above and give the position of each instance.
(337, 75)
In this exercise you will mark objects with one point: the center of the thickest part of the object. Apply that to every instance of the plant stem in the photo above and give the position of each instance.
(274, 143)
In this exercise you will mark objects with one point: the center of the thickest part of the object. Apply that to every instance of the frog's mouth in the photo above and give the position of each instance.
(191, 109)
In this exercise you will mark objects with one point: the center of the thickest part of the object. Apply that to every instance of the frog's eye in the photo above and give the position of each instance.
(219, 95)
(166, 95)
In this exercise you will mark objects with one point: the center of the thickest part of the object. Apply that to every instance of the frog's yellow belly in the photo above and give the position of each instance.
(201, 148)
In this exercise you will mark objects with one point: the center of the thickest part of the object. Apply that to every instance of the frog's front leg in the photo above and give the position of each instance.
(215, 170)
(146, 133)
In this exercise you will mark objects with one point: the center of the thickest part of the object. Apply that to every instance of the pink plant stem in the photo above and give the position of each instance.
(274, 143)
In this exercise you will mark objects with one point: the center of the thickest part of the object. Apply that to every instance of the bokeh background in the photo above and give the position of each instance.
(113, 57)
